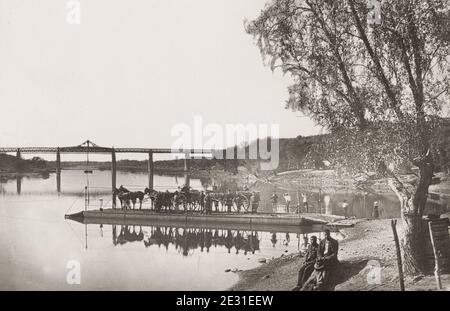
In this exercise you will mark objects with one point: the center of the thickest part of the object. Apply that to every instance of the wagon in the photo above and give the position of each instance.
(241, 201)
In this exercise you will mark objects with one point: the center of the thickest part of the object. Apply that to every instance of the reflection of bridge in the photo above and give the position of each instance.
(90, 147)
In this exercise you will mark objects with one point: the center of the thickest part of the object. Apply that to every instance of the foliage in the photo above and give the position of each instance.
(380, 87)
(441, 147)
(10, 163)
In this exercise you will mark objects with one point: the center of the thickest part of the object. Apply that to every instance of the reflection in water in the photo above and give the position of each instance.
(186, 240)
(181, 258)
(72, 182)
(58, 181)
(19, 184)
(274, 239)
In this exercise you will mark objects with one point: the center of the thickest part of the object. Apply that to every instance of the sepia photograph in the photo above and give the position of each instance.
(228, 148)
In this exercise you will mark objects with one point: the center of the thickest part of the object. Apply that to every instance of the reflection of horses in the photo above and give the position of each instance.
(160, 236)
(186, 240)
(127, 235)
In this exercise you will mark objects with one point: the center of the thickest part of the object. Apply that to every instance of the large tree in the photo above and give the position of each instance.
(379, 86)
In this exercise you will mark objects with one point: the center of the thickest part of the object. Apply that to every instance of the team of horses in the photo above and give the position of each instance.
(160, 200)
(193, 200)
(126, 197)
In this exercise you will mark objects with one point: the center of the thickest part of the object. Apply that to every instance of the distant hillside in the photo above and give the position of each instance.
(294, 153)
(11, 164)
(301, 152)
(136, 165)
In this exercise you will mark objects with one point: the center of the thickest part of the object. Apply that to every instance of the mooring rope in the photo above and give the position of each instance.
(70, 207)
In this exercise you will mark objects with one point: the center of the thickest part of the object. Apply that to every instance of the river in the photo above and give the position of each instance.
(40, 250)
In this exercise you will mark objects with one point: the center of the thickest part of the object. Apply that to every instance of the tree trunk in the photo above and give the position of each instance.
(412, 244)
(413, 198)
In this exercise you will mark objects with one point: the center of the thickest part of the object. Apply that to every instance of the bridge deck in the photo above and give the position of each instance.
(79, 149)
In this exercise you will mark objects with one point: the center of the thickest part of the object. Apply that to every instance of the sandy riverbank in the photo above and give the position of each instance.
(367, 240)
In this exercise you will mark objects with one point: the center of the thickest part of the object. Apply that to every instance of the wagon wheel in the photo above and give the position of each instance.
(244, 203)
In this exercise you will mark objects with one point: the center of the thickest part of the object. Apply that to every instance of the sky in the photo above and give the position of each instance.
(132, 70)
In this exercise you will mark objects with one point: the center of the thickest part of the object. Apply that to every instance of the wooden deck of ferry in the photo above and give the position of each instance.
(140, 217)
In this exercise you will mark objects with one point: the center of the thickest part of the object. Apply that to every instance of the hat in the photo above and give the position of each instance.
(319, 264)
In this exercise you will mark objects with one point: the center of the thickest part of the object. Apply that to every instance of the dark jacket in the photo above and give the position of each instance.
(331, 257)
(311, 253)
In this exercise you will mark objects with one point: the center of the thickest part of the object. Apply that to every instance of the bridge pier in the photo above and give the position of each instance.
(224, 163)
(235, 161)
(19, 184)
(58, 170)
(150, 170)
(187, 162)
(113, 169)
(187, 179)
(58, 182)
(187, 168)
(113, 176)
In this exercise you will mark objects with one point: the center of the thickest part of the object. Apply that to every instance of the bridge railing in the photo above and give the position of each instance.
(79, 149)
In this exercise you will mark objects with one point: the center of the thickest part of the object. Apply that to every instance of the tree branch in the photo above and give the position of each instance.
(395, 104)
(356, 104)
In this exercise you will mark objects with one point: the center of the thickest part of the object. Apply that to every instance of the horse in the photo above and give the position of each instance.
(131, 195)
(216, 199)
(189, 199)
(151, 194)
(194, 198)
(124, 197)
(157, 198)
(165, 200)
(137, 195)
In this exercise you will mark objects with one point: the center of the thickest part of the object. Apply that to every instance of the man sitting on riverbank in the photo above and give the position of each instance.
(326, 263)
(308, 265)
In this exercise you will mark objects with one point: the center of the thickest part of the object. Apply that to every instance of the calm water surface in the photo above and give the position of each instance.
(37, 243)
